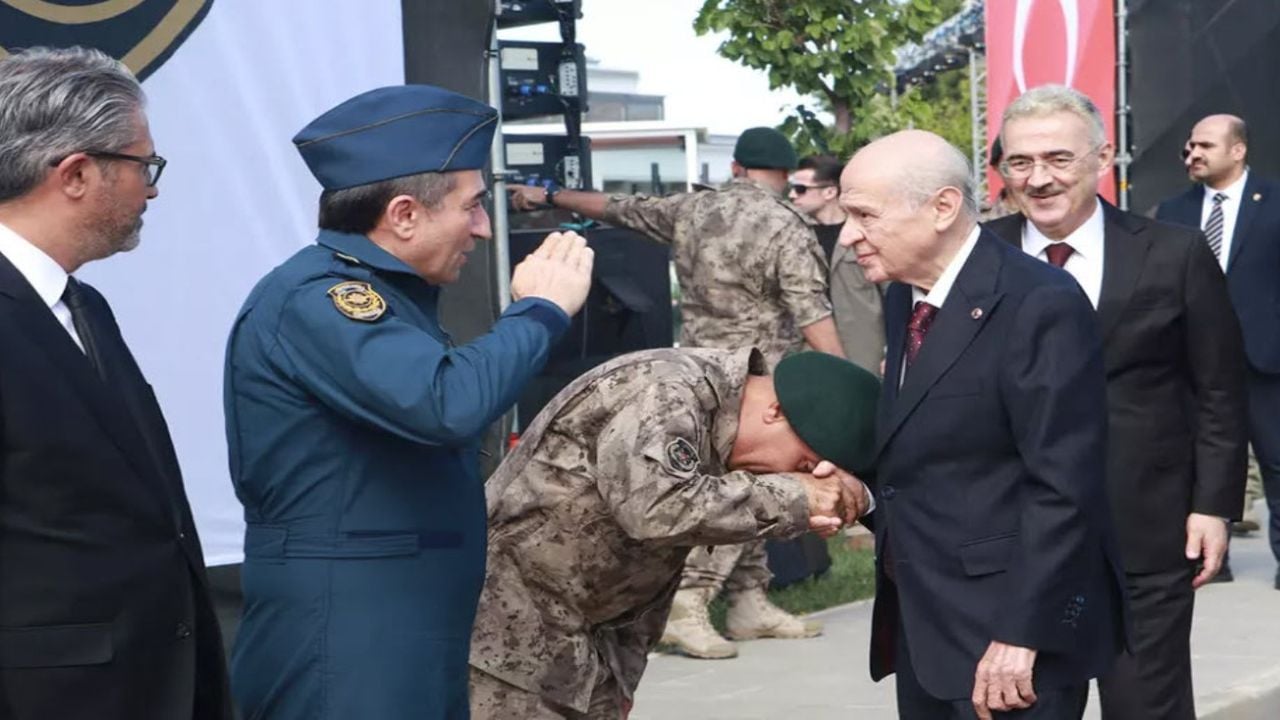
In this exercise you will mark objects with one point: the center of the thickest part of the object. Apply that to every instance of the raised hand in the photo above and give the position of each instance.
(558, 271)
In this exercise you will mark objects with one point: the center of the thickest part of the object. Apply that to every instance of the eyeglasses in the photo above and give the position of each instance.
(1022, 167)
(800, 189)
(153, 165)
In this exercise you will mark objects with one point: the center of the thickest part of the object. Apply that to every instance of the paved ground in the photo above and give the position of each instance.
(1235, 646)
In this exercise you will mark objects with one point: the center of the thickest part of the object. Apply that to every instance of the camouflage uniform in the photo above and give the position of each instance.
(590, 520)
(751, 274)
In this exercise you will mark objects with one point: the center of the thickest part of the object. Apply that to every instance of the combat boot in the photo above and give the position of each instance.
(689, 627)
(751, 616)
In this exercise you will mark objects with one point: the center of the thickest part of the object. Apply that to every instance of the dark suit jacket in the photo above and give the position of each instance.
(103, 606)
(1175, 384)
(990, 479)
(1253, 266)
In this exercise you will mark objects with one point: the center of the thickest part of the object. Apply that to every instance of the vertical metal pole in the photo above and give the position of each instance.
(501, 224)
(1123, 158)
(977, 117)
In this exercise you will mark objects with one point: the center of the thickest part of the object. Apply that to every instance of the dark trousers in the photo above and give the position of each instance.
(1155, 681)
(914, 703)
(1264, 434)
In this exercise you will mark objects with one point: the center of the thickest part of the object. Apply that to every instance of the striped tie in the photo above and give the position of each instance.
(1213, 228)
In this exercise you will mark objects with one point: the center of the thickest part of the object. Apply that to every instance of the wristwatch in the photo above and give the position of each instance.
(551, 191)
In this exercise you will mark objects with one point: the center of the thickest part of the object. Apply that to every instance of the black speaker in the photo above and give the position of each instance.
(629, 309)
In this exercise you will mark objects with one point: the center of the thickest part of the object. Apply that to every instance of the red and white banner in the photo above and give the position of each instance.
(1038, 42)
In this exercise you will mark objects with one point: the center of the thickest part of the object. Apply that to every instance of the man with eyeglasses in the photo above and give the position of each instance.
(855, 301)
(751, 275)
(1175, 382)
(104, 603)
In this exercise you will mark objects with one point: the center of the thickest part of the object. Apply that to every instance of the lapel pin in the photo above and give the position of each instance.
(976, 313)
(1257, 197)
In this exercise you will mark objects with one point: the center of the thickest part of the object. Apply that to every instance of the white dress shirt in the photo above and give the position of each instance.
(937, 295)
(43, 273)
(1230, 211)
(1088, 242)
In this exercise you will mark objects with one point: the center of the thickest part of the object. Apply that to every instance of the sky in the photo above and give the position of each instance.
(656, 38)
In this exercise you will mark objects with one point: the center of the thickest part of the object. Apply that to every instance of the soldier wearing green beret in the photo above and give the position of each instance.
(626, 470)
(751, 274)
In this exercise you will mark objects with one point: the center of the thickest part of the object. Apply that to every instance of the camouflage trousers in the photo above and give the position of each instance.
(1253, 486)
(732, 567)
(493, 699)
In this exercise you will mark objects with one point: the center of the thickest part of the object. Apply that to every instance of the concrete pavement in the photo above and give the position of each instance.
(1235, 649)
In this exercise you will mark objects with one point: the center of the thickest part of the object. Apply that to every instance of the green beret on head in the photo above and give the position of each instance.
(831, 405)
(766, 148)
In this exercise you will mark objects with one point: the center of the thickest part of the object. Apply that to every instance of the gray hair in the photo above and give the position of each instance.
(1049, 99)
(55, 102)
(358, 209)
(951, 169)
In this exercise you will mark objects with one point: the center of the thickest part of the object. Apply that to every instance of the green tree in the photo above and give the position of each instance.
(841, 52)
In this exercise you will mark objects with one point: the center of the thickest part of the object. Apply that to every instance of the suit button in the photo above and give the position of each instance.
(183, 631)
(182, 536)
(888, 492)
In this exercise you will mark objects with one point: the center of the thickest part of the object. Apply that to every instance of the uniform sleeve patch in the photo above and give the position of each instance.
(357, 300)
(682, 456)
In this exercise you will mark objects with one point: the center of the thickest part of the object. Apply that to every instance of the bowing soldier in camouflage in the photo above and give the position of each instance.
(751, 274)
(626, 470)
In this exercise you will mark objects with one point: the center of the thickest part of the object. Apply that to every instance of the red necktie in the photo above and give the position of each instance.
(921, 318)
(1058, 253)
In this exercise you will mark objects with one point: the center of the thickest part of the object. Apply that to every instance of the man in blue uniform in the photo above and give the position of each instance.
(352, 421)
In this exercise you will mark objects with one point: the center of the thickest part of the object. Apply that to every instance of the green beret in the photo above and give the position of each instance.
(831, 404)
(766, 148)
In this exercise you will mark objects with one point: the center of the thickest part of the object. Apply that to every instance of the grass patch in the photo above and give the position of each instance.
(852, 576)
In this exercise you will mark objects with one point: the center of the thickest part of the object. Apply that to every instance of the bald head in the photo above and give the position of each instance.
(917, 164)
(910, 204)
(1215, 152)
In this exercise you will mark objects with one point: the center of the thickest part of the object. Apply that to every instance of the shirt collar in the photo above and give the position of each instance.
(1234, 191)
(938, 294)
(363, 249)
(44, 274)
(1086, 241)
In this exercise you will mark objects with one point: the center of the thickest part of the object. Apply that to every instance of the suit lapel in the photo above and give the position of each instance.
(1124, 253)
(962, 316)
(43, 331)
(1249, 208)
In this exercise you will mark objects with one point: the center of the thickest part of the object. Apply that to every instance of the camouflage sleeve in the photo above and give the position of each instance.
(650, 476)
(653, 216)
(802, 276)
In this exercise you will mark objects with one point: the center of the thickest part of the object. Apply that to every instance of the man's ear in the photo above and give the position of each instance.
(773, 413)
(72, 174)
(402, 215)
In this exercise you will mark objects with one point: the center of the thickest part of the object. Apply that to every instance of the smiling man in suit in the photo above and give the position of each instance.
(1175, 389)
(998, 586)
(104, 608)
(1240, 214)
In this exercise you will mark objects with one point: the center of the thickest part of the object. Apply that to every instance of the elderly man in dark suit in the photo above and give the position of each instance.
(1240, 214)
(1175, 389)
(998, 584)
(104, 609)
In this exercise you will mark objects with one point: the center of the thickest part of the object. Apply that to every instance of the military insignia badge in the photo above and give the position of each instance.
(682, 456)
(140, 33)
(357, 300)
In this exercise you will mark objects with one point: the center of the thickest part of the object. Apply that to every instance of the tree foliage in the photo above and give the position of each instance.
(841, 52)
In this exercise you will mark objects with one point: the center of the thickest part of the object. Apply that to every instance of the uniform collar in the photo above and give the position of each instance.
(730, 387)
(746, 182)
(365, 250)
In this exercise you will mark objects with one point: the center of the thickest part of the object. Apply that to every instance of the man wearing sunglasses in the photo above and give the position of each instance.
(855, 301)
(104, 605)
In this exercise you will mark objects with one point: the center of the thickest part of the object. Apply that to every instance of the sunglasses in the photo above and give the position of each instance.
(800, 189)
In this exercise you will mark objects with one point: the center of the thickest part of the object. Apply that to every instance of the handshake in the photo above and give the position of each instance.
(836, 498)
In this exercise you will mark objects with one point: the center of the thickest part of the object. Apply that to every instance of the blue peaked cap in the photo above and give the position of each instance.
(396, 131)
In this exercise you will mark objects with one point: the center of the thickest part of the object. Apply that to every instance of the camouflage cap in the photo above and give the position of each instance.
(831, 404)
(766, 148)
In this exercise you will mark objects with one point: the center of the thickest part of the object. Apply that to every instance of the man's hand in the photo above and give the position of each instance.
(1207, 542)
(558, 271)
(527, 197)
(1003, 680)
(823, 495)
(855, 499)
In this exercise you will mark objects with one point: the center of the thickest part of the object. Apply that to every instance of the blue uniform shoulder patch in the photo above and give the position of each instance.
(358, 300)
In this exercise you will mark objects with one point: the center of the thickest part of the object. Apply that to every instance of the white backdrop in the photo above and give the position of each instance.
(235, 201)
